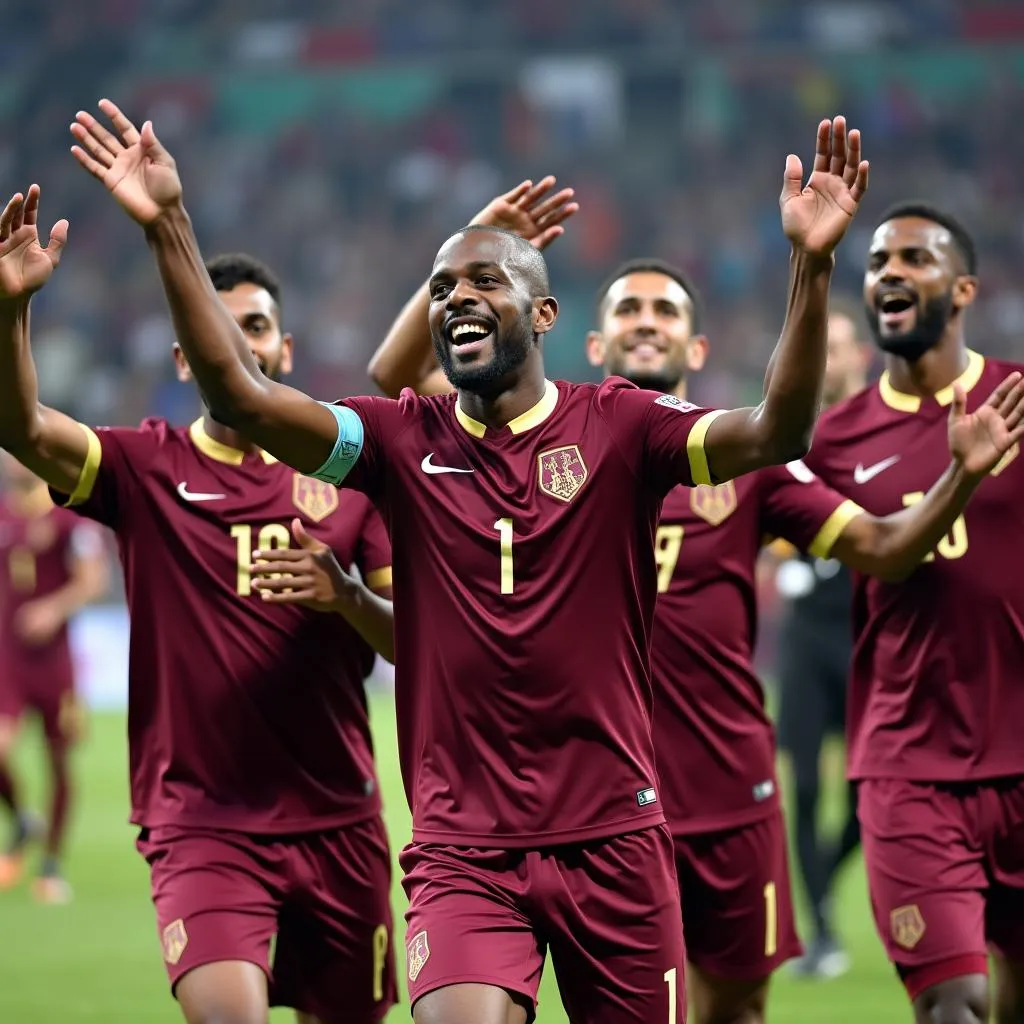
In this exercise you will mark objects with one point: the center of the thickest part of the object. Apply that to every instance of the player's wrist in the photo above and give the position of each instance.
(810, 261)
(169, 223)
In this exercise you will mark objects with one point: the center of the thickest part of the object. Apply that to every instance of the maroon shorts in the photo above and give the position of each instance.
(325, 895)
(608, 910)
(52, 697)
(945, 866)
(737, 904)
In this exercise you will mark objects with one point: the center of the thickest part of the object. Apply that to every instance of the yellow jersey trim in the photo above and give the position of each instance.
(902, 402)
(824, 541)
(379, 578)
(533, 417)
(700, 472)
(90, 469)
(218, 450)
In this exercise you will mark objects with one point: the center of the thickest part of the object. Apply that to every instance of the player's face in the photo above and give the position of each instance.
(647, 332)
(484, 321)
(257, 315)
(913, 286)
(847, 359)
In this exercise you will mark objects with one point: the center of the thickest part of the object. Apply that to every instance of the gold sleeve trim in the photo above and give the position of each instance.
(90, 469)
(700, 473)
(379, 578)
(821, 546)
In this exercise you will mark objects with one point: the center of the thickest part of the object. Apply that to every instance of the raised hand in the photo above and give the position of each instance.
(978, 440)
(136, 169)
(25, 266)
(308, 575)
(531, 214)
(815, 216)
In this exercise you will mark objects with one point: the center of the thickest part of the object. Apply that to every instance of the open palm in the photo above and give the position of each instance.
(815, 216)
(135, 168)
(527, 212)
(978, 440)
(25, 266)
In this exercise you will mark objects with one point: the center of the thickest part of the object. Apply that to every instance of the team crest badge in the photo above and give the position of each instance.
(314, 498)
(562, 472)
(175, 939)
(714, 503)
(1005, 460)
(417, 953)
(907, 926)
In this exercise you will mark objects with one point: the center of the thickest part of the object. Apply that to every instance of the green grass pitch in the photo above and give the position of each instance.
(98, 960)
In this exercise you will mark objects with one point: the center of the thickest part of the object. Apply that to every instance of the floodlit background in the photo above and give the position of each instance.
(341, 142)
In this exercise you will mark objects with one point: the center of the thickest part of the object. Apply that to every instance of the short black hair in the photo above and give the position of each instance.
(652, 265)
(961, 236)
(528, 257)
(234, 268)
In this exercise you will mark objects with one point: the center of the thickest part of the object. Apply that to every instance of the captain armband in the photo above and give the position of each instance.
(346, 449)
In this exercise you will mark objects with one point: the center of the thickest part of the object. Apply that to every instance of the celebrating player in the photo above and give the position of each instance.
(933, 726)
(522, 514)
(709, 720)
(252, 769)
(51, 565)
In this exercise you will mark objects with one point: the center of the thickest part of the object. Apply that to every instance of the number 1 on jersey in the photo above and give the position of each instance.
(273, 535)
(504, 528)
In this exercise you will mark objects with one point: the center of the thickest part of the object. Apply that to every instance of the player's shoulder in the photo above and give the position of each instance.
(862, 410)
(153, 430)
(617, 391)
(996, 370)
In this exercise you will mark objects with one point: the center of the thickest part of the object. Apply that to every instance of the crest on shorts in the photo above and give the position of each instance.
(714, 503)
(562, 472)
(315, 498)
(175, 939)
(417, 953)
(907, 926)
(1005, 460)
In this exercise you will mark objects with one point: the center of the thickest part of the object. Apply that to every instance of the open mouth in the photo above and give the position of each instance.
(895, 307)
(468, 334)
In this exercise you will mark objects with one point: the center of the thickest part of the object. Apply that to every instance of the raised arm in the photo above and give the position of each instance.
(142, 177)
(49, 443)
(406, 357)
(891, 547)
(815, 218)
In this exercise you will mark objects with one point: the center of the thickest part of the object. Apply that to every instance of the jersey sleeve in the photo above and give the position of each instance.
(373, 554)
(116, 460)
(661, 435)
(802, 509)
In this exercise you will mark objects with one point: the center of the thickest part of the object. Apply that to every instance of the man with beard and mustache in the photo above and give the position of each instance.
(935, 706)
(252, 775)
(522, 515)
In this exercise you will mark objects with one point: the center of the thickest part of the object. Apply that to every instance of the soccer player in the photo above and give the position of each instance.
(51, 566)
(815, 648)
(935, 707)
(252, 775)
(522, 514)
(709, 718)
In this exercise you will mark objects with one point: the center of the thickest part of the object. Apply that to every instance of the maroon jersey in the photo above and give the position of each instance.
(935, 693)
(36, 557)
(241, 715)
(714, 741)
(525, 588)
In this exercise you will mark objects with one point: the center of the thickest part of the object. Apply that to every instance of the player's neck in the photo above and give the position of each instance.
(226, 436)
(935, 370)
(498, 410)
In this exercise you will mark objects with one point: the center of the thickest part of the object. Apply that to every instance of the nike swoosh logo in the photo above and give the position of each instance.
(430, 469)
(862, 475)
(188, 495)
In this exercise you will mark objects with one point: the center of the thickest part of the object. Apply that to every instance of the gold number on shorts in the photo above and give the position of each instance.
(667, 542)
(380, 960)
(954, 544)
(771, 920)
(273, 535)
(504, 528)
(670, 980)
(21, 564)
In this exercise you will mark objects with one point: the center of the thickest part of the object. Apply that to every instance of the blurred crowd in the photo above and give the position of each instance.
(341, 143)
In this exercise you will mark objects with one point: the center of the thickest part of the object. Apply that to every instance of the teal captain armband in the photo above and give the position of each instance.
(346, 449)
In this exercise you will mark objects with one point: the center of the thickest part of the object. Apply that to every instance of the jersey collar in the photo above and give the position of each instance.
(902, 402)
(525, 421)
(218, 450)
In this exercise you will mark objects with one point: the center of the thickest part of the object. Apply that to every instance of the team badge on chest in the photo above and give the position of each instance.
(713, 503)
(315, 498)
(562, 472)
